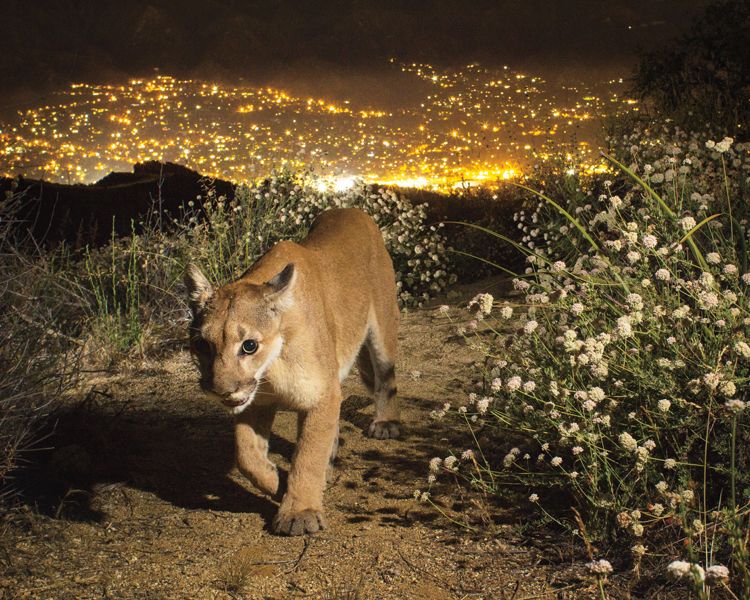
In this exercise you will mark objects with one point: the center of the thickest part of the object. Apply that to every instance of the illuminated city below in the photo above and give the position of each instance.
(473, 125)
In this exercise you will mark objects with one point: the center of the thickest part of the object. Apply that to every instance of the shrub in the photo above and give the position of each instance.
(235, 233)
(623, 382)
(703, 78)
(38, 359)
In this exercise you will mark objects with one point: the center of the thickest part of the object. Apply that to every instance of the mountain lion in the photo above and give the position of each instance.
(284, 336)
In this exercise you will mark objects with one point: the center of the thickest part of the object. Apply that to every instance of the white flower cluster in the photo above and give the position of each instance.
(680, 568)
(720, 147)
(288, 204)
(713, 575)
(599, 567)
(449, 464)
(481, 305)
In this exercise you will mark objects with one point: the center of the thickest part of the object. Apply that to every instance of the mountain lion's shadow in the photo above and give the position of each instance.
(185, 459)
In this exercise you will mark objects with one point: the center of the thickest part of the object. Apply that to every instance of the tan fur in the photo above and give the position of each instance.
(314, 308)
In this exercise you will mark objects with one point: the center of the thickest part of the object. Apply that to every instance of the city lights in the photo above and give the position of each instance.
(474, 125)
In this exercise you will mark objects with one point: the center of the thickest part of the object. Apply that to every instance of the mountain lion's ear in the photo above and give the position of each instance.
(280, 286)
(199, 288)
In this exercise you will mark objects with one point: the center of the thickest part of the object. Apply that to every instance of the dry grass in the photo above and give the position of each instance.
(241, 568)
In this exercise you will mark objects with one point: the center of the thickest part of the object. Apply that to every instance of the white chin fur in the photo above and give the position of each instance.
(248, 400)
(235, 410)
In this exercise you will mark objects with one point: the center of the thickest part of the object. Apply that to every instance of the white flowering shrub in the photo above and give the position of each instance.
(624, 383)
(231, 235)
(418, 250)
(698, 178)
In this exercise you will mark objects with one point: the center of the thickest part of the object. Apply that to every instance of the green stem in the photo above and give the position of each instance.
(705, 478)
(665, 207)
(729, 199)
(732, 464)
(601, 588)
(741, 243)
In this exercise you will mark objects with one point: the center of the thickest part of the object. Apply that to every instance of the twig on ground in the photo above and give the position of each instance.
(515, 589)
(300, 557)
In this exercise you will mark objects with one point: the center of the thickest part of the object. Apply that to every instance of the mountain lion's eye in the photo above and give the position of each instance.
(249, 347)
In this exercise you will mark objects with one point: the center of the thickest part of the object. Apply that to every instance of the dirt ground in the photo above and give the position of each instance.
(162, 514)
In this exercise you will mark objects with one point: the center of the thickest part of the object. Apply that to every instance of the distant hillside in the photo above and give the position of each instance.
(84, 214)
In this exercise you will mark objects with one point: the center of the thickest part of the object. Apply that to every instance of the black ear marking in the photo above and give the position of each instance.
(281, 280)
(279, 293)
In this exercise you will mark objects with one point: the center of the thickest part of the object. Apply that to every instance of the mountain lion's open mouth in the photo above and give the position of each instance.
(234, 403)
(240, 398)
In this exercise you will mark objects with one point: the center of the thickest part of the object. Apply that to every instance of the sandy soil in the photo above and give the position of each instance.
(162, 514)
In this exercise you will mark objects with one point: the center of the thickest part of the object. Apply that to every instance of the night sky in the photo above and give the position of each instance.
(428, 93)
(49, 44)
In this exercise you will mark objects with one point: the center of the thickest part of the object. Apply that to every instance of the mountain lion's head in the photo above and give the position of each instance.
(235, 333)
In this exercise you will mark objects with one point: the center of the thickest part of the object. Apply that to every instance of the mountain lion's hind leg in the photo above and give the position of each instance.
(381, 346)
(251, 432)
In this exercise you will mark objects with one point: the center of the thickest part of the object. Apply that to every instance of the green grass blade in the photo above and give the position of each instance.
(742, 245)
(564, 212)
(484, 260)
(690, 233)
(660, 201)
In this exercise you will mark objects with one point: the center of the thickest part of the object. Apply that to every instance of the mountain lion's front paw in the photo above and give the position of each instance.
(298, 523)
(383, 430)
(263, 475)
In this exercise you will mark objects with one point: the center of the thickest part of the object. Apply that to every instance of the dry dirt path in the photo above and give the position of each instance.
(169, 518)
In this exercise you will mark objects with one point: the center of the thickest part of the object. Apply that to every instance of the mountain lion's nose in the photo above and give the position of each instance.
(239, 387)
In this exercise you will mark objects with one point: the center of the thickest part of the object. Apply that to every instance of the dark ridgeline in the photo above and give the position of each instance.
(81, 215)
(84, 214)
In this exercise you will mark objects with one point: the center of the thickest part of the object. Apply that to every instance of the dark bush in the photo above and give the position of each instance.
(702, 79)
